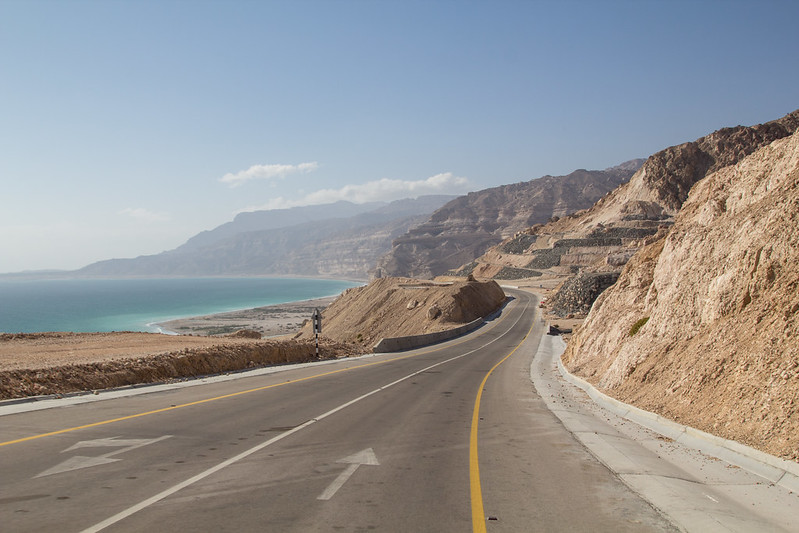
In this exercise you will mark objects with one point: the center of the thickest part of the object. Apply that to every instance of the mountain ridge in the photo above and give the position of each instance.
(465, 227)
(592, 246)
(235, 249)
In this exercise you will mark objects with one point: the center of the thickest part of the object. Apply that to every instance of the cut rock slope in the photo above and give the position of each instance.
(703, 326)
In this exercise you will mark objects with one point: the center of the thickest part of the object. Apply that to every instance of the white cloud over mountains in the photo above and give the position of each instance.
(382, 190)
(267, 172)
(387, 189)
(140, 213)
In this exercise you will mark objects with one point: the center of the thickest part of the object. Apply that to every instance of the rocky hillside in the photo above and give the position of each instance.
(603, 238)
(703, 325)
(466, 227)
(341, 240)
(393, 307)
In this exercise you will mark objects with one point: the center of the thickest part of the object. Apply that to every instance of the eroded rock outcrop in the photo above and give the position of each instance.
(703, 325)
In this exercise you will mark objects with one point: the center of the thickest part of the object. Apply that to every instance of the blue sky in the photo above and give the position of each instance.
(129, 126)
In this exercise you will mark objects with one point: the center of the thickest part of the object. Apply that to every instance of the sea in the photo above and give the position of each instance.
(88, 305)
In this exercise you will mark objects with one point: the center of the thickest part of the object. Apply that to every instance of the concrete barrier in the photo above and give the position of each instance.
(397, 344)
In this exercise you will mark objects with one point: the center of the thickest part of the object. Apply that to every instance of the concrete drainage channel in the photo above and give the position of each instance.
(674, 467)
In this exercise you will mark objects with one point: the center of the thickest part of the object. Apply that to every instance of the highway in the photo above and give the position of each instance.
(452, 437)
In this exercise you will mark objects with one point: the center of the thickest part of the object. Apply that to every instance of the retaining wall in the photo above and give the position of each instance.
(396, 344)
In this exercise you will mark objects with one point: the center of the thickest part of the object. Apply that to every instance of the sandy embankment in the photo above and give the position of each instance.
(56, 363)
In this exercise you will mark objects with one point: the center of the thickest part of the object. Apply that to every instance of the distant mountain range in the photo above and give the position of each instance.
(341, 240)
(466, 227)
(421, 237)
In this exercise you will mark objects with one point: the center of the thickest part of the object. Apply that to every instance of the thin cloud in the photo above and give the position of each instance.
(382, 190)
(267, 172)
(389, 189)
(140, 213)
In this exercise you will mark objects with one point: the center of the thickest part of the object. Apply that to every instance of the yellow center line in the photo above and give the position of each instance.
(476, 491)
(234, 394)
(206, 400)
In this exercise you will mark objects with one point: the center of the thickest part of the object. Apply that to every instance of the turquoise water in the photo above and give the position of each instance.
(85, 305)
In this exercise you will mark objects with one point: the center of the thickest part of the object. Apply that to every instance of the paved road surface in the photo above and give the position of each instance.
(438, 439)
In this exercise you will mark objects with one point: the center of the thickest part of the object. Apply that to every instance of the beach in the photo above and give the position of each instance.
(269, 321)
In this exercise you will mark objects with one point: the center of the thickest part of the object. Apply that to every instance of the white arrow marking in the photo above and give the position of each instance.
(80, 461)
(364, 457)
(113, 442)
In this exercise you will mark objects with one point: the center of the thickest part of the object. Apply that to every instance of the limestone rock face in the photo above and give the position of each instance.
(466, 227)
(720, 349)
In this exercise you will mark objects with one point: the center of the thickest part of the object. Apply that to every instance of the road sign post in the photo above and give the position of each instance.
(316, 318)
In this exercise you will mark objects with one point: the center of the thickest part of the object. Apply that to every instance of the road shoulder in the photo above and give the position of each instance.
(693, 487)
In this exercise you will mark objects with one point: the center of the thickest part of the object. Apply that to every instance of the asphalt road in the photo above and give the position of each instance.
(448, 438)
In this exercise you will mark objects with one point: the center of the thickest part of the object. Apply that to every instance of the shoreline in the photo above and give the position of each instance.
(270, 321)
(127, 304)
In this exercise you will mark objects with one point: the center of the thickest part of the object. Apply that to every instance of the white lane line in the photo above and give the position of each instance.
(214, 469)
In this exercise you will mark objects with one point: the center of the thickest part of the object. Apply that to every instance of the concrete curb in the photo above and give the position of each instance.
(778, 471)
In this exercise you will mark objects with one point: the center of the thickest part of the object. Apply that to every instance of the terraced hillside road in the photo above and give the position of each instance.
(452, 437)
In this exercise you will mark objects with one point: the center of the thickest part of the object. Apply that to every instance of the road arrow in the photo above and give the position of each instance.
(364, 457)
(80, 461)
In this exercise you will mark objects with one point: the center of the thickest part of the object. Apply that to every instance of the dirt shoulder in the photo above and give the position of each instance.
(60, 363)
(45, 350)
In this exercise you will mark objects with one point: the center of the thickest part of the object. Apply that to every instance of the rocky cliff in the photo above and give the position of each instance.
(603, 238)
(703, 325)
(466, 227)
